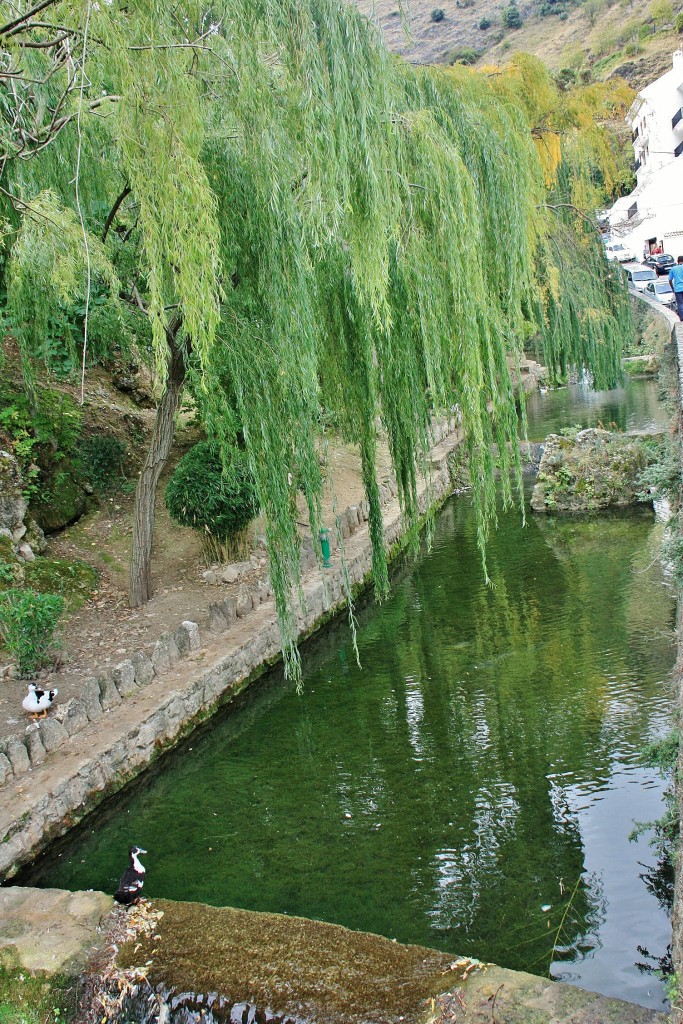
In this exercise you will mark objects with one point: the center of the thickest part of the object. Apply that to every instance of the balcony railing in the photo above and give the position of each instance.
(677, 118)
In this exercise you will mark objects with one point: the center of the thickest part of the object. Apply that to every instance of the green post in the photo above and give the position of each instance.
(325, 545)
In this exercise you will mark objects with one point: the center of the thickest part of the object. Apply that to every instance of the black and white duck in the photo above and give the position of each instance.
(132, 879)
(36, 701)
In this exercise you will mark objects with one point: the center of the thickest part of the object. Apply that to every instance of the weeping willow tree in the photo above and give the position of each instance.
(306, 222)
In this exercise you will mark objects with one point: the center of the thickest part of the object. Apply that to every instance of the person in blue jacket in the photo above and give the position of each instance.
(676, 282)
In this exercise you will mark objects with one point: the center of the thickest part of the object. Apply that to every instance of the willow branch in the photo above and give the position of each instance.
(13, 26)
(570, 206)
(114, 210)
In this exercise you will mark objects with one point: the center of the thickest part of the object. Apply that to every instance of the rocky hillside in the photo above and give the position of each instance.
(632, 38)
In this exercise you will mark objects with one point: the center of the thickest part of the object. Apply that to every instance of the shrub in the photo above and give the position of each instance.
(28, 623)
(565, 78)
(218, 499)
(484, 24)
(678, 22)
(511, 17)
(438, 14)
(466, 55)
(101, 458)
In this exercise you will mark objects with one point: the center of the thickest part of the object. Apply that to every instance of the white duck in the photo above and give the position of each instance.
(36, 701)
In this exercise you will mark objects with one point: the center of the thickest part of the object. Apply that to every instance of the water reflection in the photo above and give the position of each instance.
(633, 407)
(472, 788)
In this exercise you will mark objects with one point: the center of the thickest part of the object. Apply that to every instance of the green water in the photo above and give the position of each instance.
(632, 407)
(471, 788)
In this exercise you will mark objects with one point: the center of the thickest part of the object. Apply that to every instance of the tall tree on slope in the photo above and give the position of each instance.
(315, 223)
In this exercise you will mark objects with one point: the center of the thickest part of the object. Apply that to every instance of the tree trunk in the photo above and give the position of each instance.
(157, 456)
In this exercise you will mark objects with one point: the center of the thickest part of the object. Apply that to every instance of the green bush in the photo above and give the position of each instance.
(465, 55)
(678, 22)
(484, 24)
(511, 17)
(28, 623)
(218, 499)
(438, 14)
(102, 458)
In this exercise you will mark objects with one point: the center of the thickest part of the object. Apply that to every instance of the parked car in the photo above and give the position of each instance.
(639, 277)
(617, 251)
(661, 291)
(661, 264)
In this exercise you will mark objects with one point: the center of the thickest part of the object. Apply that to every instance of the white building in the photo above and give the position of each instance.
(653, 213)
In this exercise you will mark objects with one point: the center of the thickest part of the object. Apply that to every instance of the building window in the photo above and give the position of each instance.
(679, 149)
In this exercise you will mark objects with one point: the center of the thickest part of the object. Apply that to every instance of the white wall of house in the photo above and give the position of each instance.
(654, 210)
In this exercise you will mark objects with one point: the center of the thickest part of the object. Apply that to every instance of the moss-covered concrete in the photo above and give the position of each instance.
(238, 961)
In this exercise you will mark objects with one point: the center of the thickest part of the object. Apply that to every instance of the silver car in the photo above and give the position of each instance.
(640, 277)
(662, 292)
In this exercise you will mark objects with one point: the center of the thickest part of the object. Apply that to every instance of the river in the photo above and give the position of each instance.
(472, 786)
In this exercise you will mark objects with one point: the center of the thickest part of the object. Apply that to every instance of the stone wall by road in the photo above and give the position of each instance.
(677, 919)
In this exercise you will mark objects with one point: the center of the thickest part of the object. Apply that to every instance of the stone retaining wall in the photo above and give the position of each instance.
(93, 745)
(677, 917)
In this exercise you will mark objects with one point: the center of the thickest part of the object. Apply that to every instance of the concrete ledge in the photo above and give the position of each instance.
(183, 961)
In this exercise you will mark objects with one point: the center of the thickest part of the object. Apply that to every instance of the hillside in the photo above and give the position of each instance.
(598, 38)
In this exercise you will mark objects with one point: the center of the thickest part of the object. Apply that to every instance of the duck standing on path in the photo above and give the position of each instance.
(132, 879)
(37, 701)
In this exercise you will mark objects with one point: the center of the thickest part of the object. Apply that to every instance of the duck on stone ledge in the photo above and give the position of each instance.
(36, 701)
(132, 879)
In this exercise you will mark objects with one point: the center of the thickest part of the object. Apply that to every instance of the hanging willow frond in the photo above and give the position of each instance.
(333, 227)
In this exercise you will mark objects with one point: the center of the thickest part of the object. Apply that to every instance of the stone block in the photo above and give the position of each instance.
(72, 715)
(229, 608)
(124, 678)
(244, 602)
(90, 695)
(143, 667)
(187, 638)
(146, 736)
(175, 711)
(192, 703)
(109, 695)
(165, 654)
(6, 772)
(16, 753)
(217, 621)
(52, 733)
(34, 745)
